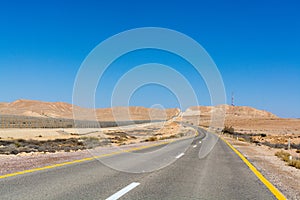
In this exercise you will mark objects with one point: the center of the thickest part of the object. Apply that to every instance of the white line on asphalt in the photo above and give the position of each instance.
(180, 155)
(120, 193)
(195, 146)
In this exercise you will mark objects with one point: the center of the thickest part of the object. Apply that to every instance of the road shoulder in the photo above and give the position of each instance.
(283, 177)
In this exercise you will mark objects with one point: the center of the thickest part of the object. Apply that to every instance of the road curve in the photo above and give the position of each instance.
(219, 175)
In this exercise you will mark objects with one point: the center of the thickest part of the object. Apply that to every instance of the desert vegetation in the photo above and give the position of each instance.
(71, 144)
(228, 130)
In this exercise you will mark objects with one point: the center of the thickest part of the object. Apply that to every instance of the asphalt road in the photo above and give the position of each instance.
(188, 169)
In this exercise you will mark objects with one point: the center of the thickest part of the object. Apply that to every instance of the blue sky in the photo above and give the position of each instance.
(255, 44)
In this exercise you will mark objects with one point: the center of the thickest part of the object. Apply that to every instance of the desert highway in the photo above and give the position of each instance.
(184, 174)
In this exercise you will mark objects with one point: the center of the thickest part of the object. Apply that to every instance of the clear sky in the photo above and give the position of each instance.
(255, 44)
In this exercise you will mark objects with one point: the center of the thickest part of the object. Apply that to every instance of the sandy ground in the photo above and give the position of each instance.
(271, 126)
(284, 177)
(140, 131)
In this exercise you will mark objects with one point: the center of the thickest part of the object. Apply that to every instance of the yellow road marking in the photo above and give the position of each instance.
(269, 185)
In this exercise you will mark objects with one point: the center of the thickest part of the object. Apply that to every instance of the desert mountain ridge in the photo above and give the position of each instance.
(34, 108)
(230, 111)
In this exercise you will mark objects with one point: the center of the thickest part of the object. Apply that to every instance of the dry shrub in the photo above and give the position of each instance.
(294, 163)
(229, 130)
(151, 139)
(283, 155)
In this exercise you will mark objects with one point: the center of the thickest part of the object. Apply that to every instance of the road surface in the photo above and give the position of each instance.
(188, 175)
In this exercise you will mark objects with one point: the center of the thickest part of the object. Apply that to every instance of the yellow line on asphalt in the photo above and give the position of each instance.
(81, 160)
(267, 183)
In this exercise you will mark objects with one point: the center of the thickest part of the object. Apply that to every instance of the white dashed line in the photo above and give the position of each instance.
(120, 193)
(195, 146)
(180, 155)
